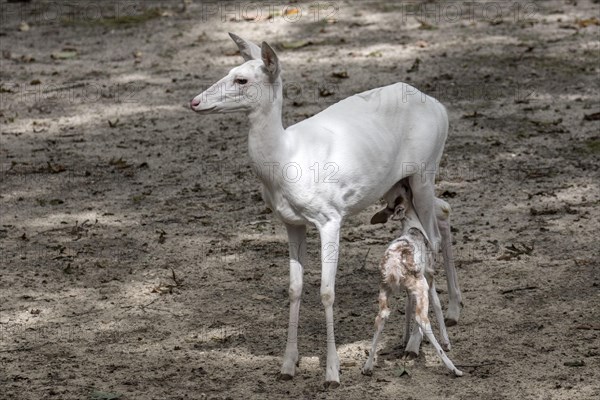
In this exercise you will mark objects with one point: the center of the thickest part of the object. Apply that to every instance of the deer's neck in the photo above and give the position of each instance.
(266, 141)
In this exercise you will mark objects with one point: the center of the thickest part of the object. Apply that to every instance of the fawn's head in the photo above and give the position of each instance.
(403, 201)
(246, 87)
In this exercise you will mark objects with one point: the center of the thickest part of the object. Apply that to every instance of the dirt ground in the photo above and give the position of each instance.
(138, 260)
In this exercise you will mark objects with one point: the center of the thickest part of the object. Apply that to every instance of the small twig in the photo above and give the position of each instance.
(90, 311)
(588, 327)
(164, 310)
(68, 87)
(141, 306)
(23, 348)
(474, 365)
(365, 260)
(177, 281)
(519, 289)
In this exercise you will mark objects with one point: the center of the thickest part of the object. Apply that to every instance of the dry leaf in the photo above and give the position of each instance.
(577, 363)
(64, 55)
(584, 23)
(375, 53)
(415, 66)
(425, 25)
(324, 92)
(296, 44)
(162, 289)
(340, 74)
(592, 117)
(291, 11)
(119, 163)
(55, 168)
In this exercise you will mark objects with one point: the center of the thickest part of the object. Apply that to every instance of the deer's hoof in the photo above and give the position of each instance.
(331, 385)
(285, 377)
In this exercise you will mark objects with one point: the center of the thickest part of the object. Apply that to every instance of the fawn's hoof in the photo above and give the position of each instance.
(458, 372)
(450, 321)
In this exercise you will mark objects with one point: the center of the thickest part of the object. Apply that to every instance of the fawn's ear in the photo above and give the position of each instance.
(248, 50)
(399, 212)
(270, 60)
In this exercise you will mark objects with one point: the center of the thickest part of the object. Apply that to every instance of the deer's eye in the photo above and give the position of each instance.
(241, 81)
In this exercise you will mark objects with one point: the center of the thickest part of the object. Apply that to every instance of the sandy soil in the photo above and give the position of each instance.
(137, 258)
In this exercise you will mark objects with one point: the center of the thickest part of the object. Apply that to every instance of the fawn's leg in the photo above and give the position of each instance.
(416, 336)
(382, 316)
(420, 291)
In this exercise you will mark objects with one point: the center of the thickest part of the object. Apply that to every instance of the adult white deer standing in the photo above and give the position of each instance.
(330, 166)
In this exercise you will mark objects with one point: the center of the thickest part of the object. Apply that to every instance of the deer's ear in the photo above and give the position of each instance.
(270, 60)
(248, 50)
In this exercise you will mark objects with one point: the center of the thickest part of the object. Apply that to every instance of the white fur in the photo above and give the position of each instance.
(330, 166)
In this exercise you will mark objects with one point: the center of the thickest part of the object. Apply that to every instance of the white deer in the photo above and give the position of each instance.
(330, 166)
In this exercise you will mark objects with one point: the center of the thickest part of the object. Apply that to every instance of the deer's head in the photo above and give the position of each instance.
(246, 87)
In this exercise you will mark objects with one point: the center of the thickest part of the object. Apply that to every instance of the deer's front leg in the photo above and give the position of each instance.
(330, 239)
(297, 244)
(439, 316)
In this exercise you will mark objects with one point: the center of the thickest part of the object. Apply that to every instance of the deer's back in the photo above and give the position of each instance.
(366, 143)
